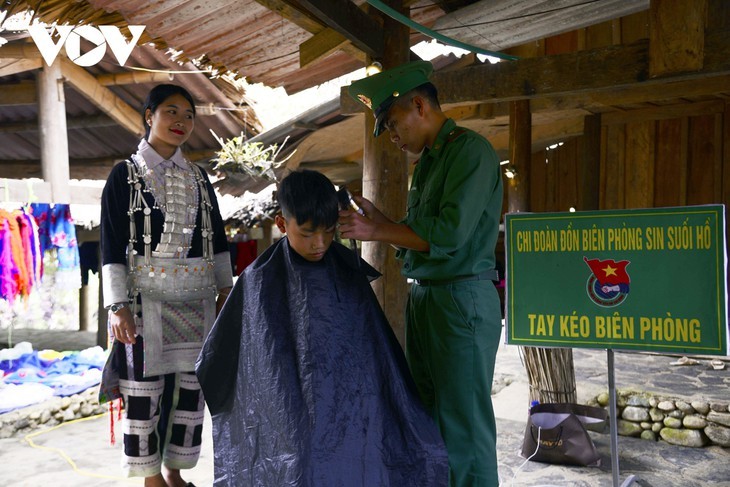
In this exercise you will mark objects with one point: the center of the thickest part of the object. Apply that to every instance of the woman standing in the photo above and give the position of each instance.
(165, 257)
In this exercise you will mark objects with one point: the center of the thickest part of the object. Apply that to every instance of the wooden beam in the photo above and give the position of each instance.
(293, 15)
(326, 44)
(604, 69)
(676, 36)
(14, 66)
(665, 112)
(639, 93)
(133, 78)
(609, 70)
(71, 123)
(18, 94)
(19, 50)
(354, 24)
(323, 44)
(102, 97)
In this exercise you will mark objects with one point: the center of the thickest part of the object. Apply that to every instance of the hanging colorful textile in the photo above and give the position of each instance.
(18, 266)
(42, 214)
(56, 230)
(8, 271)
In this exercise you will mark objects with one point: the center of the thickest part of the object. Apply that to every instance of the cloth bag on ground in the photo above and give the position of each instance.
(561, 430)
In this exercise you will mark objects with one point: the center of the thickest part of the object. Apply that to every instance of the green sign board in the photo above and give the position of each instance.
(648, 279)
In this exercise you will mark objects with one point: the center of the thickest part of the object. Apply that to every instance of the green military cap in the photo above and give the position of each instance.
(378, 92)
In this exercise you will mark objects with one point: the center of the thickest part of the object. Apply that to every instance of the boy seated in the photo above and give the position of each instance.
(304, 378)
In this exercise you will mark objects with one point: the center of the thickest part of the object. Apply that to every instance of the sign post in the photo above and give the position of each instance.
(645, 280)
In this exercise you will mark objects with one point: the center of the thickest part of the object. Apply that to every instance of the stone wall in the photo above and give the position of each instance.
(694, 423)
(50, 413)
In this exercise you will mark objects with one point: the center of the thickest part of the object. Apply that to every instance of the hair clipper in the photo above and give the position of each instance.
(347, 202)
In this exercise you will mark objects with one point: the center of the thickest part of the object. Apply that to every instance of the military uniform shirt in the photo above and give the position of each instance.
(454, 204)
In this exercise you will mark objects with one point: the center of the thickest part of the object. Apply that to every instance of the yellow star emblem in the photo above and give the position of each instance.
(365, 101)
(609, 271)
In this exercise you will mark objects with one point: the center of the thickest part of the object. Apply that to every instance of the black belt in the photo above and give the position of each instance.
(490, 275)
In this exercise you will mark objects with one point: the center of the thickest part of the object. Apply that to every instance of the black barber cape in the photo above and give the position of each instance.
(307, 385)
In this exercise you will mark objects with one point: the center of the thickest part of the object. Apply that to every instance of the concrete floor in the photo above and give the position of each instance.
(79, 453)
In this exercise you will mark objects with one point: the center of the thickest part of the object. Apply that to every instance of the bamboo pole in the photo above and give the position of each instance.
(550, 372)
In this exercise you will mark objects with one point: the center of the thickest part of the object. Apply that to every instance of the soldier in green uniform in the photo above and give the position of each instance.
(446, 243)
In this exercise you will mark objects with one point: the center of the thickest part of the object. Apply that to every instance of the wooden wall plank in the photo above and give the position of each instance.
(669, 161)
(673, 111)
(718, 15)
(700, 169)
(635, 27)
(639, 166)
(567, 170)
(589, 161)
(612, 173)
(717, 161)
(551, 185)
(599, 35)
(602, 153)
(538, 185)
(520, 147)
(561, 43)
(684, 164)
(531, 49)
(616, 31)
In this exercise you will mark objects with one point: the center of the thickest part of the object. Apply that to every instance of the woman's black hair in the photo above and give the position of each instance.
(157, 96)
(308, 196)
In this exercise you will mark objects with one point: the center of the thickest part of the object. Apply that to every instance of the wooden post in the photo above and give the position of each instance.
(589, 169)
(84, 307)
(520, 156)
(385, 183)
(52, 131)
(676, 36)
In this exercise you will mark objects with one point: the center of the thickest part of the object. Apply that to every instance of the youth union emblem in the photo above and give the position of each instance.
(609, 283)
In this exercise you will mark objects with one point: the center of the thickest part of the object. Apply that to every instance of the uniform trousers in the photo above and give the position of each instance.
(163, 416)
(452, 337)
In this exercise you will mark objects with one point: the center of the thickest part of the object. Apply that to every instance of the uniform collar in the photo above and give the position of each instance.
(440, 141)
(153, 159)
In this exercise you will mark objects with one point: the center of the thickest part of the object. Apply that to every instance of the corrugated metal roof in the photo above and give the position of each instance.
(242, 36)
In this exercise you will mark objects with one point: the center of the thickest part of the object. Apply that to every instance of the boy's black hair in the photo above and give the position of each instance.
(427, 91)
(308, 196)
(157, 96)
